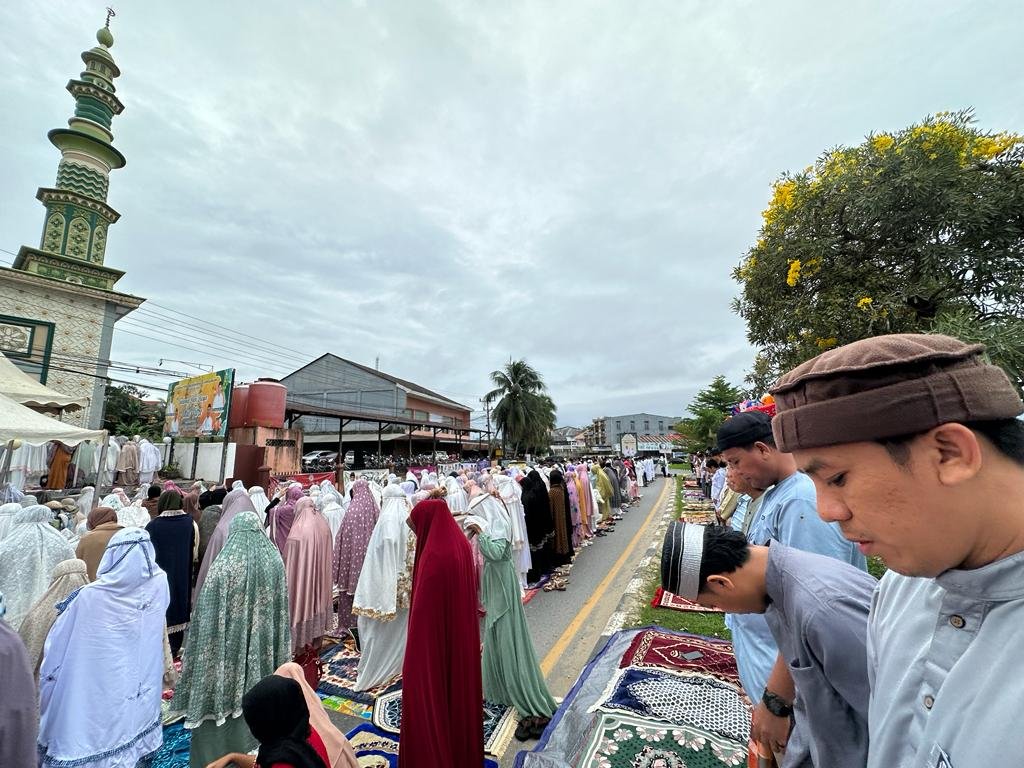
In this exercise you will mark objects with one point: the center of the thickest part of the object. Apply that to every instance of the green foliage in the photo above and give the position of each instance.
(919, 230)
(524, 413)
(709, 409)
(125, 413)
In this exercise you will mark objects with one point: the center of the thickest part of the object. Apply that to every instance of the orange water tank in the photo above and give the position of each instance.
(239, 403)
(266, 404)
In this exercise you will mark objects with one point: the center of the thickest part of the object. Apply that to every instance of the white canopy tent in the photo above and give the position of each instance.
(17, 422)
(22, 388)
(20, 423)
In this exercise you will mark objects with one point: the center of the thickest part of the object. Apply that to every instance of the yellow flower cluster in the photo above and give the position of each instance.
(811, 267)
(828, 343)
(987, 147)
(865, 303)
(941, 134)
(794, 273)
(782, 200)
(883, 142)
(838, 162)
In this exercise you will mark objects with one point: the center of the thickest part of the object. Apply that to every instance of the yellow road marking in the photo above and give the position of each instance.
(563, 642)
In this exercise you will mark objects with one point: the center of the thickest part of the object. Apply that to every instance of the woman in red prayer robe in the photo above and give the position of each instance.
(442, 692)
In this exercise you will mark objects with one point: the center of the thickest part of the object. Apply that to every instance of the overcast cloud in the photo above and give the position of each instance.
(445, 185)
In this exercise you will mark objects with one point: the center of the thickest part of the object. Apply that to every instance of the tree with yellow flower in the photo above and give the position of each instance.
(920, 229)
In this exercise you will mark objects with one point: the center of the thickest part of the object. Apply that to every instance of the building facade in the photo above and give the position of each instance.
(336, 383)
(58, 305)
(647, 424)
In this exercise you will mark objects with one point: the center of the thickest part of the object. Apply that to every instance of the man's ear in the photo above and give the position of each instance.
(954, 452)
(718, 584)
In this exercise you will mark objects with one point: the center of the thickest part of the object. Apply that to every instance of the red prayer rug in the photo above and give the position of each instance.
(683, 653)
(665, 599)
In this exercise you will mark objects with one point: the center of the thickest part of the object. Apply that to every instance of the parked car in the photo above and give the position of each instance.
(319, 460)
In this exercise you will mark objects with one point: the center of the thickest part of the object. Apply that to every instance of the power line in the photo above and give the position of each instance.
(247, 356)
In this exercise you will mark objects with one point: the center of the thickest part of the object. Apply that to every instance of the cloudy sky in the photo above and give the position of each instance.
(445, 185)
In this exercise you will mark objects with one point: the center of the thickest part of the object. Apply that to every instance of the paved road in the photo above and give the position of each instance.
(566, 626)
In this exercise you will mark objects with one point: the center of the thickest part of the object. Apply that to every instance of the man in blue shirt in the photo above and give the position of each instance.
(788, 514)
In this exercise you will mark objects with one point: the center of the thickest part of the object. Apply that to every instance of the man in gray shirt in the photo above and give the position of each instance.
(817, 611)
(916, 452)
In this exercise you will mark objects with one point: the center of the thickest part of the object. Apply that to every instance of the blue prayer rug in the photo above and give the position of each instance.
(696, 700)
(175, 750)
(499, 721)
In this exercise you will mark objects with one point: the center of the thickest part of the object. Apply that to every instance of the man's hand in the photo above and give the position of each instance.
(769, 730)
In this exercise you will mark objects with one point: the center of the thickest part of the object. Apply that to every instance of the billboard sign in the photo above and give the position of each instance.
(198, 406)
(628, 445)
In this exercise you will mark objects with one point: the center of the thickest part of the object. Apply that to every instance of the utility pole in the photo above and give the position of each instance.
(487, 410)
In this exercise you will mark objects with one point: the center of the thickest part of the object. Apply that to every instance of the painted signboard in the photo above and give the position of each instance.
(198, 406)
(628, 445)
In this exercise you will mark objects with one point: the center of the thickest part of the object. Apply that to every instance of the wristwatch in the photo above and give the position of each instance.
(776, 704)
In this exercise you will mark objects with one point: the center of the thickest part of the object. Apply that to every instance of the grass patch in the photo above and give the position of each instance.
(681, 467)
(697, 623)
(643, 613)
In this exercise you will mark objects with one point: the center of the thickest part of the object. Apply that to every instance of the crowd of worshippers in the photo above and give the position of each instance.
(216, 593)
(910, 449)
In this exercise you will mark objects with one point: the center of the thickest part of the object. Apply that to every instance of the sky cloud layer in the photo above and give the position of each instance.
(446, 185)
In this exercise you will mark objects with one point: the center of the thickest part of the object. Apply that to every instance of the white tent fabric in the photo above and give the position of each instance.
(22, 388)
(20, 423)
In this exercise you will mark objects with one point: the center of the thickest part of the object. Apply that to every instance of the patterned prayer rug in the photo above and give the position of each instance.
(682, 653)
(693, 700)
(175, 750)
(665, 599)
(499, 721)
(375, 748)
(622, 741)
(337, 686)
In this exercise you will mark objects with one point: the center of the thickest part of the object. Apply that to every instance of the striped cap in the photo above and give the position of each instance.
(681, 557)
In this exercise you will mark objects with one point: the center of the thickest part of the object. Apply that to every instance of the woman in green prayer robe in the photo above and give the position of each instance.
(240, 633)
(511, 673)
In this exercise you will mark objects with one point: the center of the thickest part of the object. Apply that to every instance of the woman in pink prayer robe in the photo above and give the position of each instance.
(350, 548)
(307, 565)
(282, 517)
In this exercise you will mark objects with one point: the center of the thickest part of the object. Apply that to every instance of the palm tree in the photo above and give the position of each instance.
(524, 412)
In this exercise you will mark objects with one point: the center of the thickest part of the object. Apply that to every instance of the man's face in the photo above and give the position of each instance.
(754, 465)
(900, 513)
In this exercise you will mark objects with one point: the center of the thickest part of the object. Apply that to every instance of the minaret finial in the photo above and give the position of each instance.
(110, 14)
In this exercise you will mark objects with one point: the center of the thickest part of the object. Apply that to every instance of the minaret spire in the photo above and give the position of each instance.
(74, 238)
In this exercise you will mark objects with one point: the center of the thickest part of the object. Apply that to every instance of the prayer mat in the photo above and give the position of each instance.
(622, 741)
(499, 721)
(652, 649)
(337, 686)
(665, 599)
(175, 750)
(532, 590)
(694, 700)
(699, 516)
(375, 748)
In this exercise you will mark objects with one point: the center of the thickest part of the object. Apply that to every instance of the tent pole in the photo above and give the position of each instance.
(8, 454)
(101, 474)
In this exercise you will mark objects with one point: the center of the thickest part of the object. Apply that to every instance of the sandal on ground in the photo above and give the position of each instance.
(525, 730)
(538, 727)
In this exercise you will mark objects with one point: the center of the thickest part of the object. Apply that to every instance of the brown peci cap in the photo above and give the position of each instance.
(889, 386)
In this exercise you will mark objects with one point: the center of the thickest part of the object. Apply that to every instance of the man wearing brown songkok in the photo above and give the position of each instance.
(916, 451)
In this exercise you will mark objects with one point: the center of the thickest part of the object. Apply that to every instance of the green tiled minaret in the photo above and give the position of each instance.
(74, 235)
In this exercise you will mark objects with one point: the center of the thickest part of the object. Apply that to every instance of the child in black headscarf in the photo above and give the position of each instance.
(275, 711)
